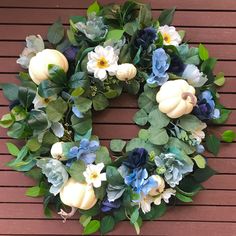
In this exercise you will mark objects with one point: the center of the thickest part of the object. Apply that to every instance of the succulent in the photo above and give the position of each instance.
(55, 172)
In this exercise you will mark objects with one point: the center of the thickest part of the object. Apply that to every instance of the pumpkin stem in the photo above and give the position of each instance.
(185, 95)
(66, 215)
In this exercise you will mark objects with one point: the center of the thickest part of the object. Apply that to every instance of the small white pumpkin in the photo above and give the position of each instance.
(38, 67)
(160, 186)
(78, 195)
(57, 151)
(176, 98)
(126, 72)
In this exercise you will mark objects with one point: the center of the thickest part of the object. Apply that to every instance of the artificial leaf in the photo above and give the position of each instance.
(76, 170)
(113, 176)
(158, 136)
(12, 149)
(107, 224)
(200, 161)
(212, 144)
(140, 117)
(117, 145)
(100, 102)
(93, 8)
(55, 33)
(102, 156)
(115, 34)
(92, 227)
(228, 136)
(203, 52)
(166, 17)
(183, 198)
(220, 79)
(158, 119)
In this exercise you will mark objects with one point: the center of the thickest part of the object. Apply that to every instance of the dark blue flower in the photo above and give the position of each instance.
(85, 151)
(108, 206)
(70, 53)
(160, 64)
(205, 108)
(145, 37)
(137, 158)
(176, 65)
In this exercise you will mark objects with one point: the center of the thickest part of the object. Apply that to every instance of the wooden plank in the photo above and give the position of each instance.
(194, 35)
(180, 4)
(48, 16)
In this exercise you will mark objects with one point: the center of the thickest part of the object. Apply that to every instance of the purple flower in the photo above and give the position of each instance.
(70, 53)
(176, 65)
(108, 206)
(205, 108)
(145, 37)
(137, 158)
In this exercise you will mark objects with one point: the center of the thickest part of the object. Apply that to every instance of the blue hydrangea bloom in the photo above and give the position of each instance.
(85, 151)
(108, 206)
(160, 64)
(139, 181)
(205, 108)
(173, 167)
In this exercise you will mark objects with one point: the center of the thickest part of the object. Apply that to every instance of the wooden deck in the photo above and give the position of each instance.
(212, 22)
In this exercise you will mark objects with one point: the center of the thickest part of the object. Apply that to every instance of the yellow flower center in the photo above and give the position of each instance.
(166, 38)
(94, 175)
(102, 63)
(46, 100)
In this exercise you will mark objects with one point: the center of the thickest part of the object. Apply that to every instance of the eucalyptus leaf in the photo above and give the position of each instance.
(100, 102)
(158, 119)
(140, 117)
(55, 33)
(158, 136)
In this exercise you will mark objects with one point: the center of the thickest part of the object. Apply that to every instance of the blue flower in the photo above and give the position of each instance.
(70, 53)
(108, 206)
(137, 158)
(160, 64)
(205, 108)
(139, 181)
(174, 166)
(176, 65)
(145, 37)
(85, 151)
(77, 112)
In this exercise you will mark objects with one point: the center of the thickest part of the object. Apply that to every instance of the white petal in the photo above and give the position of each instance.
(97, 183)
(100, 74)
(99, 50)
(112, 69)
(157, 200)
(100, 166)
(103, 177)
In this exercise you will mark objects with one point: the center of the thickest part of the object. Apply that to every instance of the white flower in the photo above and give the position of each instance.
(93, 175)
(58, 129)
(198, 133)
(166, 195)
(194, 76)
(101, 61)
(40, 102)
(145, 203)
(170, 35)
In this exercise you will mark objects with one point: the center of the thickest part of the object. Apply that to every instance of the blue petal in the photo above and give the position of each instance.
(76, 111)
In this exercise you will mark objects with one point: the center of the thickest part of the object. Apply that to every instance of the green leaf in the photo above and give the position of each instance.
(203, 52)
(224, 115)
(158, 119)
(182, 34)
(189, 122)
(208, 65)
(55, 33)
(83, 104)
(156, 212)
(93, 8)
(103, 156)
(145, 15)
(37, 191)
(6, 121)
(140, 117)
(200, 161)
(166, 17)
(192, 192)
(57, 74)
(145, 102)
(95, 210)
(119, 214)
(38, 120)
(228, 136)
(78, 80)
(132, 86)
(143, 134)
(115, 34)
(55, 109)
(16, 130)
(183, 198)
(92, 227)
(113, 176)
(131, 27)
(158, 136)
(10, 91)
(134, 216)
(117, 145)
(137, 56)
(100, 102)
(201, 175)
(26, 96)
(77, 92)
(81, 125)
(107, 224)
(220, 79)
(135, 143)
(76, 170)
(47, 88)
(175, 142)
(19, 113)
(212, 144)
(33, 144)
(84, 220)
(12, 149)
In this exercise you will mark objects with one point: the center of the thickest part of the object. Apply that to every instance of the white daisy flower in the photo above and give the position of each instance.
(40, 102)
(170, 35)
(93, 175)
(101, 61)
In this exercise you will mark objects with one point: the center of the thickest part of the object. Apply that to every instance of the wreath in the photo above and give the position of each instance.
(115, 49)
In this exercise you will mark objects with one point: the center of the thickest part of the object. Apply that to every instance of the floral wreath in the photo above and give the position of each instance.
(114, 49)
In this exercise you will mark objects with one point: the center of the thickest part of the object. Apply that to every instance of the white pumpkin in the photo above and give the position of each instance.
(38, 67)
(176, 98)
(160, 186)
(126, 72)
(78, 195)
(57, 151)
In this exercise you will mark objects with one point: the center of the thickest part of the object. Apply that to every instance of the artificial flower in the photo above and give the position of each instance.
(40, 102)
(205, 108)
(145, 203)
(101, 61)
(173, 166)
(70, 53)
(110, 205)
(55, 172)
(160, 186)
(137, 158)
(145, 37)
(176, 65)
(198, 133)
(160, 64)
(58, 129)
(115, 192)
(94, 27)
(57, 151)
(77, 112)
(170, 35)
(85, 151)
(34, 44)
(194, 76)
(93, 175)
(165, 195)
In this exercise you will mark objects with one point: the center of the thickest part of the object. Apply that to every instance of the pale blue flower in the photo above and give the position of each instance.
(55, 172)
(160, 64)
